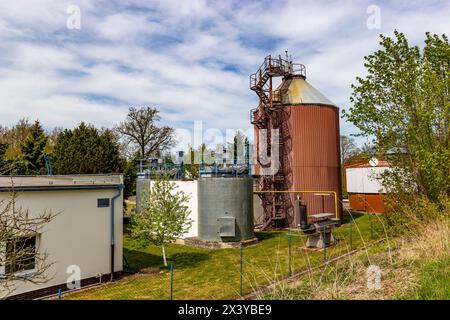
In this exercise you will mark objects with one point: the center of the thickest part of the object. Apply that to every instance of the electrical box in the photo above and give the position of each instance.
(227, 226)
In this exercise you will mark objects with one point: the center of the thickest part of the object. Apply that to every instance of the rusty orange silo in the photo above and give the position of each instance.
(308, 125)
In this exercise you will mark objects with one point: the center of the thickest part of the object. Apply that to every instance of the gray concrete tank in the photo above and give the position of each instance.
(225, 208)
(142, 186)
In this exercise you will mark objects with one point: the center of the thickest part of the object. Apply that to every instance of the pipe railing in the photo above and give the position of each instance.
(306, 191)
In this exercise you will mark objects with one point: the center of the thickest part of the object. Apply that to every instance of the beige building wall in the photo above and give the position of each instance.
(190, 187)
(79, 235)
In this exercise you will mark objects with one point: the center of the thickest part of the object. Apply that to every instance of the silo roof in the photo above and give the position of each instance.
(302, 92)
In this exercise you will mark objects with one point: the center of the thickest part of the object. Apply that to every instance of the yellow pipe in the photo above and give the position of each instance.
(304, 191)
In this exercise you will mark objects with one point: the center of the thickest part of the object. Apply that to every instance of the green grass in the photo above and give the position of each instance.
(215, 273)
(433, 279)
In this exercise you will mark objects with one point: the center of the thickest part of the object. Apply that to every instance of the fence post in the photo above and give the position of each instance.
(242, 264)
(351, 235)
(371, 226)
(290, 252)
(324, 236)
(171, 281)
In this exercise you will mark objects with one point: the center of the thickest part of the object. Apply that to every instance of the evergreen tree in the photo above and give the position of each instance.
(129, 177)
(33, 149)
(85, 150)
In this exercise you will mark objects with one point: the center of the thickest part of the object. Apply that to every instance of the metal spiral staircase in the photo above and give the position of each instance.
(269, 115)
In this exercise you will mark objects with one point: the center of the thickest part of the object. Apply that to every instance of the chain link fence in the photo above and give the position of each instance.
(198, 273)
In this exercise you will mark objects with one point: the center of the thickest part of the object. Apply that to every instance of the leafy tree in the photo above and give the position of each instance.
(191, 168)
(85, 150)
(142, 135)
(33, 149)
(404, 103)
(163, 216)
(52, 137)
(193, 159)
(237, 147)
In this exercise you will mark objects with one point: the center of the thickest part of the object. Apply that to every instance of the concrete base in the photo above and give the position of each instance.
(320, 240)
(197, 242)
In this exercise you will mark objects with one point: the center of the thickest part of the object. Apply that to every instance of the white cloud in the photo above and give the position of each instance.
(191, 59)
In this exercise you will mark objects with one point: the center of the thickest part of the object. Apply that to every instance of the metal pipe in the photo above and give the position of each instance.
(304, 191)
(119, 193)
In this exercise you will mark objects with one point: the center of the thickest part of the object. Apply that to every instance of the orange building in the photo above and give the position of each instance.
(364, 188)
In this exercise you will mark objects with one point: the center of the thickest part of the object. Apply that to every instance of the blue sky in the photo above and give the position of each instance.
(191, 59)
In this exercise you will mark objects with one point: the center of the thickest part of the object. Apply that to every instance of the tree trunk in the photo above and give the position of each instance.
(164, 256)
(142, 145)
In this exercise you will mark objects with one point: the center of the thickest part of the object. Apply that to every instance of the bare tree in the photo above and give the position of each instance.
(348, 148)
(14, 135)
(21, 259)
(141, 133)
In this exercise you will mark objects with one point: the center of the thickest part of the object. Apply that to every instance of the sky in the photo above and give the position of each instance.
(64, 62)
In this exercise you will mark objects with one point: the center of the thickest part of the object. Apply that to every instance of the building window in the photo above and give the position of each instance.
(102, 202)
(20, 254)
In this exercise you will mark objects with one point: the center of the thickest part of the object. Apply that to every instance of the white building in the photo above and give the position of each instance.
(364, 185)
(84, 236)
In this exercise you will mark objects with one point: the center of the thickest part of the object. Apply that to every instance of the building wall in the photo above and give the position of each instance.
(366, 202)
(190, 188)
(79, 235)
(365, 180)
(364, 188)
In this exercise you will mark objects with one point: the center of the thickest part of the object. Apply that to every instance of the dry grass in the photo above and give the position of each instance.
(394, 281)
(347, 278)
(431, 241)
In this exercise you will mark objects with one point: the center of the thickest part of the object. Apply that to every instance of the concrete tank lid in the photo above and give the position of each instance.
(301, 91)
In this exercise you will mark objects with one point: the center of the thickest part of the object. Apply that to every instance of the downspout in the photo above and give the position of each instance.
(119, 193)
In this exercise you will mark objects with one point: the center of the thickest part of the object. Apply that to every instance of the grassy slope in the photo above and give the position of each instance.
(215, 274)
(433, 280)
(415, 267)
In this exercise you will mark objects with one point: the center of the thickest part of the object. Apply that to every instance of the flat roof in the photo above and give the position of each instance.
(380, 163)
(60, 181)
